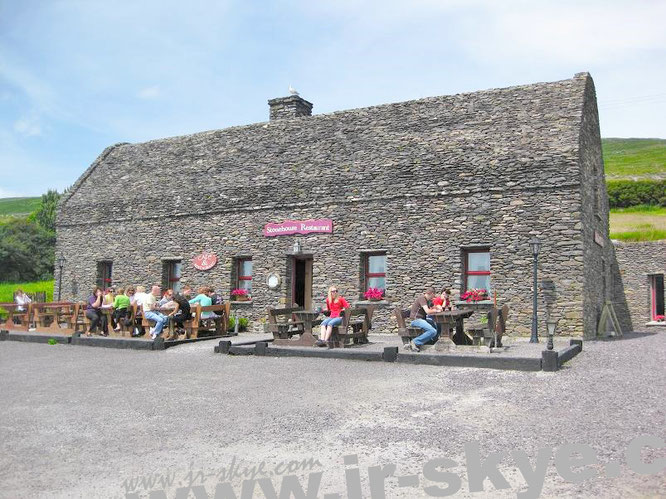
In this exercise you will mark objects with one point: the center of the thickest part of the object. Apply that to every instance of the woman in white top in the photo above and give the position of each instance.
(21, 299)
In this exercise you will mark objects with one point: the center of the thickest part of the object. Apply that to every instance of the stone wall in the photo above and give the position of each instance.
(636, 261)
(418, 179)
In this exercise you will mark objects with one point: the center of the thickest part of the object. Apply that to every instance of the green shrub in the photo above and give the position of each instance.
(625, 193)
(52, 341)
(243, 322)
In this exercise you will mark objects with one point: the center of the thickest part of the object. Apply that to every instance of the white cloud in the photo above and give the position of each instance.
(153, 92)
(572, 33)
(4, 193)
(28, 126)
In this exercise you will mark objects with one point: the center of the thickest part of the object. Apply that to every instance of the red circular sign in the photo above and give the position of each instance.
(204, 261)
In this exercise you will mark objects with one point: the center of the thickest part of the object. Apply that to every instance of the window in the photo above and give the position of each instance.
(171, 273)
(476, 269)
(104, 279)
(244, 273)
(656, 296)
(374, 271)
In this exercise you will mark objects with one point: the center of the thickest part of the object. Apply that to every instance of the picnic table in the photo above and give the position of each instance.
(12, 311)
(48, 317)
(285, 329)
(452, 318)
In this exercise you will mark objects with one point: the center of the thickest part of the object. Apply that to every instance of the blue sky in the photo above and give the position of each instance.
(78, 76)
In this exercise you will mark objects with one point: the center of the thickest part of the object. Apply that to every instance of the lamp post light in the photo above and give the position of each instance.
(551, 324)
(61, 263)
(535, 244)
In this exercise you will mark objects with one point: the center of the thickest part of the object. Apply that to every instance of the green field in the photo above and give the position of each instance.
(11, 208)
(18, 206)
(7, 291)
(634, 158)
(638, 223)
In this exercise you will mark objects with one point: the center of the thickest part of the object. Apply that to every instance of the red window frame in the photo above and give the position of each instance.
(239, 267)
(467, 272)
(369, 275)
(171, 273)
(105, 274)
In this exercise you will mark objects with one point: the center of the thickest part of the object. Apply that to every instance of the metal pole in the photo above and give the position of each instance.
(535, 337)
(59, 282)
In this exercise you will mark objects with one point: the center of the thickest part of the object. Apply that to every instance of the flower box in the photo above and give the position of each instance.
(374, 294)
(240, 294)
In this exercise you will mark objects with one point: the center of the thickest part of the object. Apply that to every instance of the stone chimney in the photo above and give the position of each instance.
(293, 106)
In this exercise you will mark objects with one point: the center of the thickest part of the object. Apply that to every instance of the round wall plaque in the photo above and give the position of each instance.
(204, 261)
(273, 281)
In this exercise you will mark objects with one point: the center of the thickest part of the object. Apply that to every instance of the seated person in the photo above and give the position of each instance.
(167, 299)
(420, 309)
(336, 305)
(94, 314)
(22, 300)
(107, 304)
(182, 311)
(204, 298)
(121, 305)
(150, 312)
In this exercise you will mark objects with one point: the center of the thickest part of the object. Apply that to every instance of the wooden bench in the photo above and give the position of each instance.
(283, 324)
(209, 327)
(83, 321)
(356, 324)
(55, 317)
(492, 331)
(407, 333)
(13, 313)
(126, 323)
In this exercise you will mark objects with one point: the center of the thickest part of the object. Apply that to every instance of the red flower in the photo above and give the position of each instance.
(374, 294)
(474, 295)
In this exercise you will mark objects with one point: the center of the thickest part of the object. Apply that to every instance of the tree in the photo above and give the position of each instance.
(45, 215)
(27, 251)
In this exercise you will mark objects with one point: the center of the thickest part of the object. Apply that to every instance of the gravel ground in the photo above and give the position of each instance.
(94, 422)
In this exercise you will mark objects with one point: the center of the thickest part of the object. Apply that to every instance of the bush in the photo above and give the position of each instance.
(242, 324)
(625, 193)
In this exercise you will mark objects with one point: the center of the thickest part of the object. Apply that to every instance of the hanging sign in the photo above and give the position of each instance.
(289, 227)
(204, 261)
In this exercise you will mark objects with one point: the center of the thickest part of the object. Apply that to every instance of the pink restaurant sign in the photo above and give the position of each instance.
(289, 227)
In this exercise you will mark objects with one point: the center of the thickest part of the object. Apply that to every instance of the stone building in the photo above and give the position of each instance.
(638, 283)
(442, 191)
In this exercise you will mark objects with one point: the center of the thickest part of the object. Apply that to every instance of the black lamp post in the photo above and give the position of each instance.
(61, 263)
(535, 244)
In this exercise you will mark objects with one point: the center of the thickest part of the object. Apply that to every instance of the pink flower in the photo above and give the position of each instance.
(239, 292)
(474, 295)
(374, 294)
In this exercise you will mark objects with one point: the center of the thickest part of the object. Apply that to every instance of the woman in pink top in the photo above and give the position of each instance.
(335, 304)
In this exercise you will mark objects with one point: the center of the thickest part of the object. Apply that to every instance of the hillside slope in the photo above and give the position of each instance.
(634, 158)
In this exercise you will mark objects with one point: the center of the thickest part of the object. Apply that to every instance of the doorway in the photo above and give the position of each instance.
(301, 287)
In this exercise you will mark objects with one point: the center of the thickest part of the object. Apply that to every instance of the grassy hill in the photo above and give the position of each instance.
(634, 158)
(17, 207)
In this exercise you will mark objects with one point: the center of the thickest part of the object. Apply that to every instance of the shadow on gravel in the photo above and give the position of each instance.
(627, 336)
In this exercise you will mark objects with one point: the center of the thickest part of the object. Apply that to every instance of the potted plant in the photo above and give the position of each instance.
(374, 294)
(240, 294)
(474, 295)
